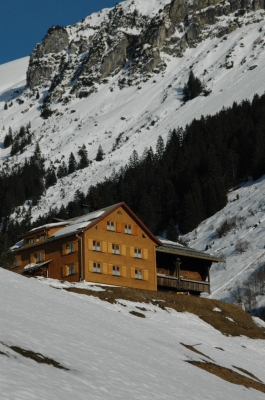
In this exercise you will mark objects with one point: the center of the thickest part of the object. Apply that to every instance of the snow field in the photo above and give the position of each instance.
(110, 353)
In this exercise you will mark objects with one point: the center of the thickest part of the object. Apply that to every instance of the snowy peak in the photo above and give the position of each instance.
(130, 38)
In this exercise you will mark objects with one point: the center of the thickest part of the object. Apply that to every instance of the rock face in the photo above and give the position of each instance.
(71, 61)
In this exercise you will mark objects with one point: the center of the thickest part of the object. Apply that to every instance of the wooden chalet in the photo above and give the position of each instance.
(111, 246)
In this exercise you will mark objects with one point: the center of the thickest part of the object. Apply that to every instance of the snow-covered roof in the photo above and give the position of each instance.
(52, 225)
(176, 248)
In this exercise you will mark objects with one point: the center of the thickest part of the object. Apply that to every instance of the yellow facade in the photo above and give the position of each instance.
(115, 249)
(118, 251)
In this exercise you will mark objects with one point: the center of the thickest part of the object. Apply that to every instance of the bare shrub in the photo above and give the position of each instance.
(226, 226)
(230, 224)
(242, 246)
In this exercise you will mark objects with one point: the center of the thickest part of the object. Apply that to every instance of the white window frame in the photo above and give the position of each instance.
(128, 229)
(96, 245)
(71, 269)
(116, 249)
(139, 274)
(97, 268)
(138, 253)
(116, 270)
(111, 226)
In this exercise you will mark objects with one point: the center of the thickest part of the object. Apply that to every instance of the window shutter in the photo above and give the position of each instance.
(32, 258)
(123, 271)
(120, 227)
(64, 249)
(132, 273)
(104, 224)
(123, 250)
(145, 274)
(145, 254)
(131, 251)
(135, 230)
(17, 261)
(105, 268)
(90, 244)
(110, 269)
(110, 248)
(76, 246)
(104, 247)
(65, 271)
(76, 267)
(90, 266)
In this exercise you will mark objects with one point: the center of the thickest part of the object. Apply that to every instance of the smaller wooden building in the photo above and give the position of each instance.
(182, 268)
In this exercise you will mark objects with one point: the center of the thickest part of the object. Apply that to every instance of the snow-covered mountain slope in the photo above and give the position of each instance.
(108, 353)
(13, 76)
(124, 115)
(243, 243)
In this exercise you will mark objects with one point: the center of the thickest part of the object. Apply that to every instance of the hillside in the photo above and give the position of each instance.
(120, 114)
(61, 345)
(240, 242)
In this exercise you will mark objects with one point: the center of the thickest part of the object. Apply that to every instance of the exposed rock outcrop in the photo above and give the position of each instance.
(128, 43)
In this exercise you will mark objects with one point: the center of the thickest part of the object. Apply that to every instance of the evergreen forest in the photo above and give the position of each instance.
(180, 183)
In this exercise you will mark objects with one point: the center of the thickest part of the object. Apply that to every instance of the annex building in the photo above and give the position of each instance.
(111, 246)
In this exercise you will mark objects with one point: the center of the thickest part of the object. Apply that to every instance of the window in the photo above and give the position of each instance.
(116, 270)
(128, 229)
(115, 249)
(42, 237)
(71, 248)
(31, 240)
(96, 268)
(39, 257)
(110, 226)
(71, 269)
(138, 274)
(137, 253)
(96, 245)
(16, 262)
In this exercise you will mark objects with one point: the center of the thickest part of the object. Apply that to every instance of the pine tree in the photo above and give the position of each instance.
(72, 164)
(84, 161)
(192, 88)
(160, 148)
(5, 106)
(172, 233)
(100, 154)
(50, 178)
(62, 170)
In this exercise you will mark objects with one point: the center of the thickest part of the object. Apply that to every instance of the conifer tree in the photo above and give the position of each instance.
(62, 170)
(72, 164)
(192, 88)
(100, 153)
(84, 161)
(160, 148)
(172, 233)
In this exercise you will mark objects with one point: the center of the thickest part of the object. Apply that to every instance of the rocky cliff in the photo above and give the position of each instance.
(71, 61)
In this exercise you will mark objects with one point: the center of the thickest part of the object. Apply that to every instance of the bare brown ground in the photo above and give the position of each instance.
(229, 375)
(242, 325)
(192, 348)
(247, 373)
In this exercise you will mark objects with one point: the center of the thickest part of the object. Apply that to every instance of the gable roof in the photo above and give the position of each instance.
(176, 248)
(80, 224)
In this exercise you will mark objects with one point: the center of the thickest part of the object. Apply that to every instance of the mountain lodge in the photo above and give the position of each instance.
(111, 246)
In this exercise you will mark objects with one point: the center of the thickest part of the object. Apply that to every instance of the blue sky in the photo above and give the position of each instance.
(25, 23)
